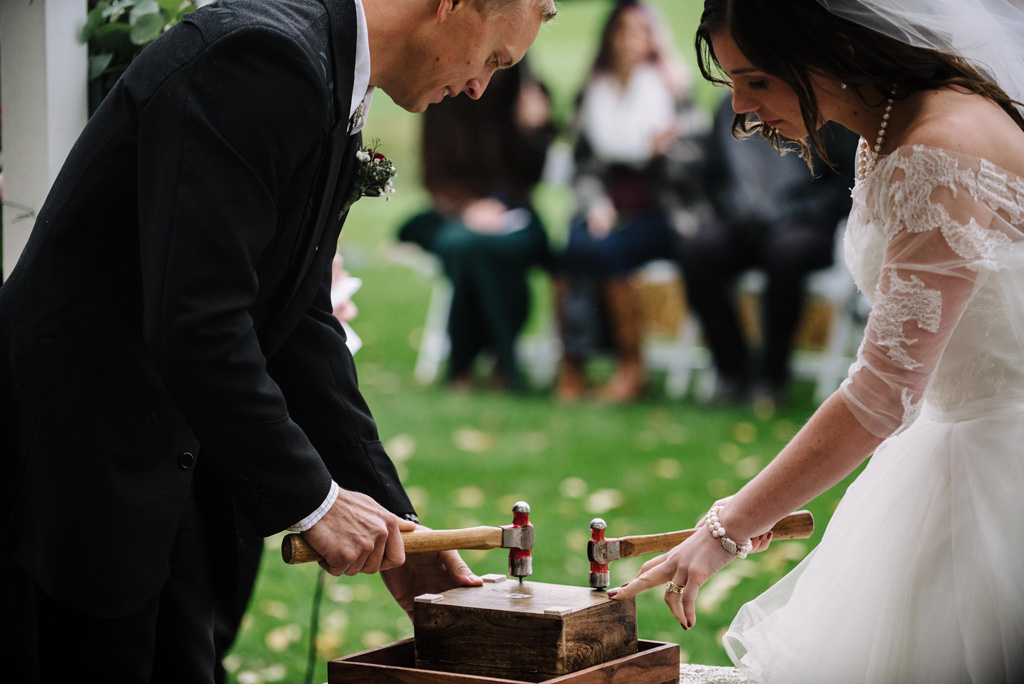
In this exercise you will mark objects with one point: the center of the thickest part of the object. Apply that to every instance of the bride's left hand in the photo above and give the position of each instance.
(688, 566)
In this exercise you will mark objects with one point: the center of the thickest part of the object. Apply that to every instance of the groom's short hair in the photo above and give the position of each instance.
(490, 8)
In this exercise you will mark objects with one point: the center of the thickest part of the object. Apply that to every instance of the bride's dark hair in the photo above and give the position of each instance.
(865, 60)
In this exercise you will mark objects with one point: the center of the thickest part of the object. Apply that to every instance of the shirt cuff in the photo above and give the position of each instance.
(314, 517)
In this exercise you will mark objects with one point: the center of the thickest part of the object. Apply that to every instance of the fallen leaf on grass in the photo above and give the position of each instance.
(375, 638)
(334, 621)
(472, 440)
(419, 498)
(729, 452)
(400, 447)
(576, 540)
(469, 497)
(280, 638)
(328, 644)
(275, 609)
(603, 500)
(744, 432)
(573, 488)
(748, 467)
(667, 468)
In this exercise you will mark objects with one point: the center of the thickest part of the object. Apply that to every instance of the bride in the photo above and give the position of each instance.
(920, 574)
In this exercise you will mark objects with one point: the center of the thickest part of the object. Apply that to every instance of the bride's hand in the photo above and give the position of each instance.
(687, 566)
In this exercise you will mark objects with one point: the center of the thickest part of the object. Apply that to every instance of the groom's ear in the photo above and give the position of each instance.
(446, 8)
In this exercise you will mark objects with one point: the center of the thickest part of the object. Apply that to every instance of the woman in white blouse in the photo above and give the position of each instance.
(633, 110)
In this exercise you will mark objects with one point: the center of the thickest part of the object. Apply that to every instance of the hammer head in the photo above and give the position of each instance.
(599, 575)
(518, 538)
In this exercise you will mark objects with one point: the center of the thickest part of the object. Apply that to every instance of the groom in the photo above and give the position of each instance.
(168, 355)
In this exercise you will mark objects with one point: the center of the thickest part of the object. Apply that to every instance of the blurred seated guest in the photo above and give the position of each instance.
(481, 161)
(769, 214)
(633, 121)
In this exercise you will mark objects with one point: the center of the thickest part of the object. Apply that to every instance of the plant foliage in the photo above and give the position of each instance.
(118, 30)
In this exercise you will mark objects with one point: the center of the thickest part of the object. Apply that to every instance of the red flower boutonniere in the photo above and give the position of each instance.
(376, 173)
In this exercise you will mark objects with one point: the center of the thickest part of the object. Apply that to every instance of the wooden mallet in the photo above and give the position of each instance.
(601, 551)
(518, 538)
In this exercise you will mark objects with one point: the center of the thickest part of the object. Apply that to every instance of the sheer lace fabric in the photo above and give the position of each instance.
(919, 576)
(934, 239)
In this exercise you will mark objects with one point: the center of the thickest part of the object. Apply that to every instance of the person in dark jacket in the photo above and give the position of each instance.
(481, 161)
(769, 213)
(168, 353)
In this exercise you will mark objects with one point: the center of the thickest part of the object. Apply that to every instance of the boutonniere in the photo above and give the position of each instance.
(376, 174)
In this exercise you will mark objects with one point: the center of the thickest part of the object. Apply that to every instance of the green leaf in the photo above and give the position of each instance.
(171, 7)
(92, 21)
(117, 8)
(110, 37)
(99, 63)
(108, 28)
(146, 28)
(143, 7)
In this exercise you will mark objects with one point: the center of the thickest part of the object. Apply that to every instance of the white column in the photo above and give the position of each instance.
(44, 85)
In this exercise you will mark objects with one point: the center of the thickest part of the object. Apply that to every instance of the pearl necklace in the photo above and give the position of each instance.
(867, 157)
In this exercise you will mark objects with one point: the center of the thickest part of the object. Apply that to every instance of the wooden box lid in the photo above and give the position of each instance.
(526, 631)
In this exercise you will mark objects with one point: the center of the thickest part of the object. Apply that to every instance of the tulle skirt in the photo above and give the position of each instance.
(920, 574)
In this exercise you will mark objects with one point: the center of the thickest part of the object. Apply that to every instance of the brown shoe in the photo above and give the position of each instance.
(627, 384)
(626, 321)
(571, 382)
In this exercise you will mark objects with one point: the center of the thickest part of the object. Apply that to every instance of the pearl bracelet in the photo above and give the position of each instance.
(717, 531)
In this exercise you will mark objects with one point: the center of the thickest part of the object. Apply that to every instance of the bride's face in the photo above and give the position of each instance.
(755, 92)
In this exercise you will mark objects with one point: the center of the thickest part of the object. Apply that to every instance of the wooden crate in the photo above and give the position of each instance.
(521, 630)
(653, 663)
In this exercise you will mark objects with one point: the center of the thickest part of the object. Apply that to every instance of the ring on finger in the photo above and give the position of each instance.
(673, 588)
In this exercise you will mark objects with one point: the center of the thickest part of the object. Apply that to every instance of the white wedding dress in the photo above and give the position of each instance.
(920, 574)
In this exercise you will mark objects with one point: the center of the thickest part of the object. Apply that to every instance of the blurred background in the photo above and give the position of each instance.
(480, 413)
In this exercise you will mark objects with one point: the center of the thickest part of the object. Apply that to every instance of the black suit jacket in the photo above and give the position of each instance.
(169, 322)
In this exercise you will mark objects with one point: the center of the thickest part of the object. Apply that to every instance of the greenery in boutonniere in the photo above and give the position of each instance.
(376, 173)
(118, 30)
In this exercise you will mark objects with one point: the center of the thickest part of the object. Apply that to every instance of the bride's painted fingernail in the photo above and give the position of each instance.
(612, 592)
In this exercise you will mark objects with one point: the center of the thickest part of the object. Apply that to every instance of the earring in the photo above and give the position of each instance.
(843, 86)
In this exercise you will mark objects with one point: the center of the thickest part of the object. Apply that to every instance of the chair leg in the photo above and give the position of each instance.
(434, 344)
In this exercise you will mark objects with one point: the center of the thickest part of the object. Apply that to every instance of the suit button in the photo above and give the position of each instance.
(186, 460)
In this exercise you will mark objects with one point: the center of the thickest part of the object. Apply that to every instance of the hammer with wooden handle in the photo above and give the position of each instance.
(601, 551)
(517, 538)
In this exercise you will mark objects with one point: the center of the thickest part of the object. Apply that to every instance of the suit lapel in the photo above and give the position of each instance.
(342, 14)
(336, 172)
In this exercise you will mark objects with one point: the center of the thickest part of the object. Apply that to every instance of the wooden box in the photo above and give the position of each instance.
(526, 631)
(653, 663)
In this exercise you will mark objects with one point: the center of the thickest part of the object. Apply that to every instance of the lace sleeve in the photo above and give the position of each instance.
(940, 234)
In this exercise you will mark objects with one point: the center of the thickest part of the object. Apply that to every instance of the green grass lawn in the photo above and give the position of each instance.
(654, 466)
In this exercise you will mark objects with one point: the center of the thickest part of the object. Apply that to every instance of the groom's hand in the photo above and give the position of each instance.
(431, 572)
(358, 535)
